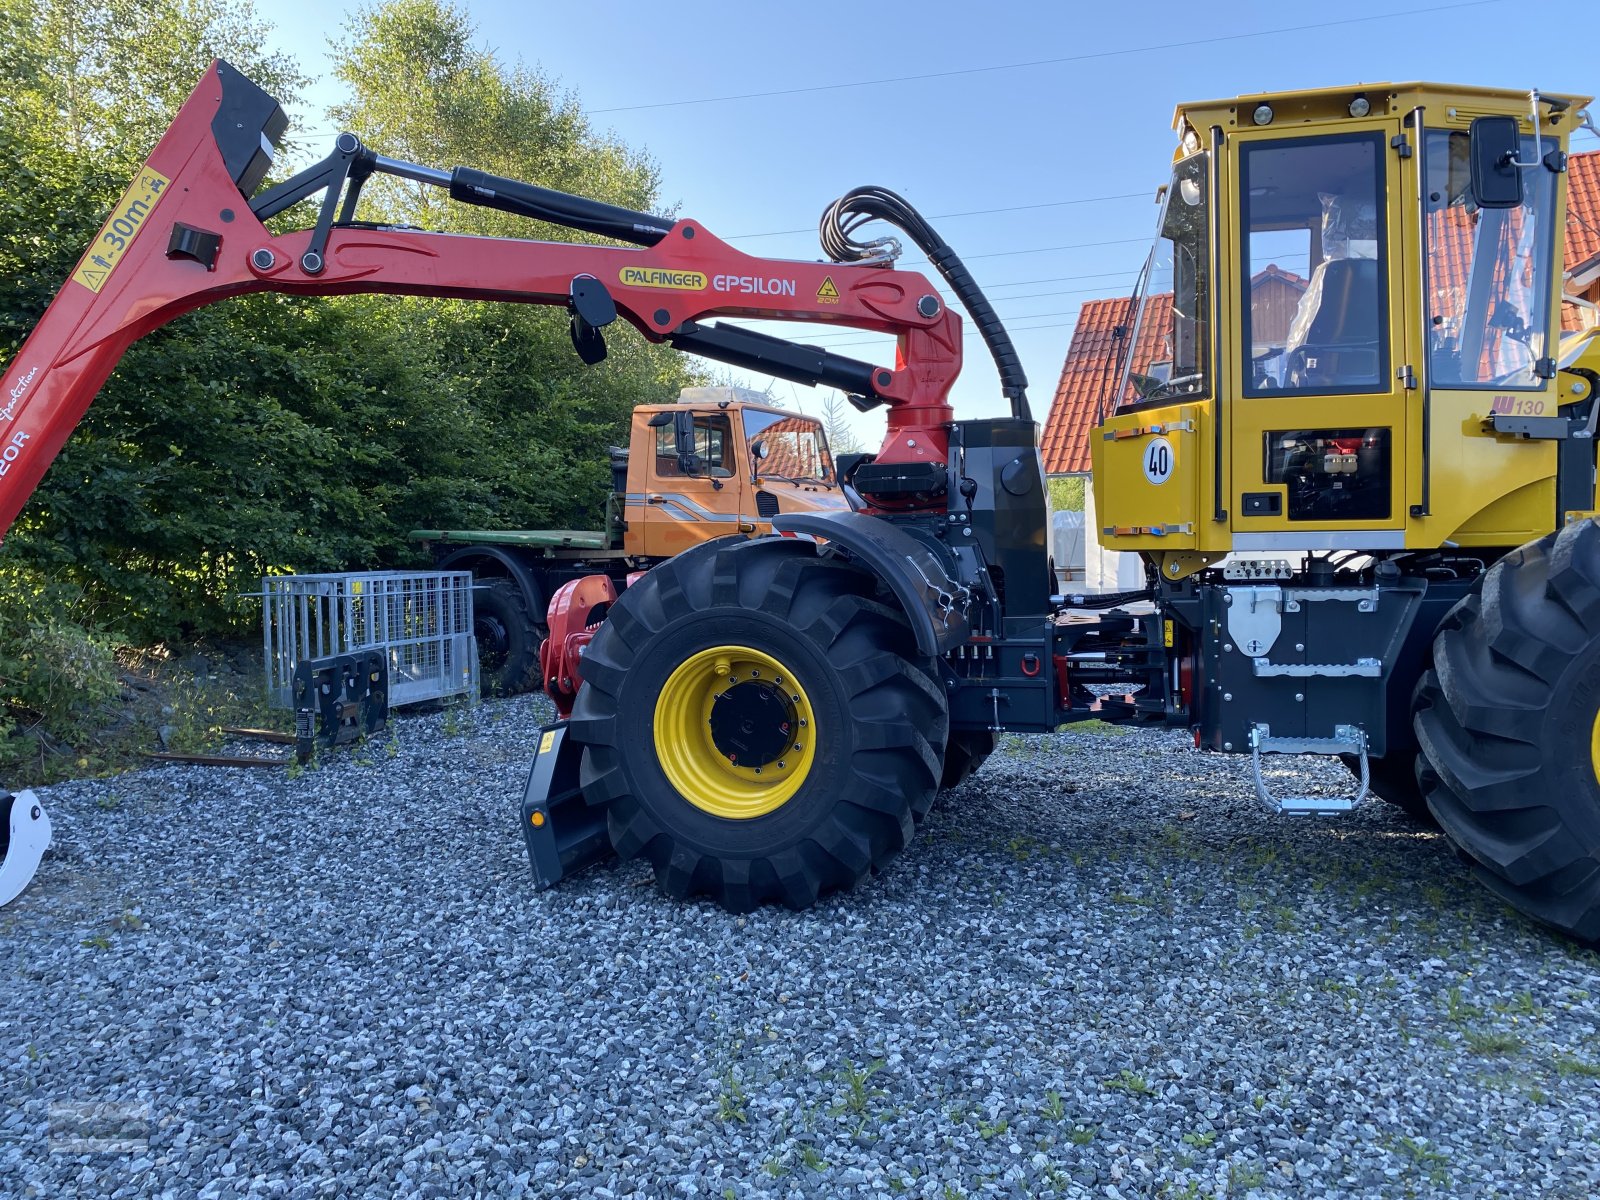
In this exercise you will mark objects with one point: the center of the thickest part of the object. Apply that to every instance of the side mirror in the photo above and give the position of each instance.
(683, 434)
(1496, 178)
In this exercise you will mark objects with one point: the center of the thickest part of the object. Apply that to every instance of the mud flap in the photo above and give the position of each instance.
(564, 834)
(25, 830)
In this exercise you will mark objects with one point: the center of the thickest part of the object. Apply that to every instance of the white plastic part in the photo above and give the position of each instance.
(28, 827)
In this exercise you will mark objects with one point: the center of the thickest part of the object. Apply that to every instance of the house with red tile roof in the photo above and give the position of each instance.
(1089, 375)
(1582, 261)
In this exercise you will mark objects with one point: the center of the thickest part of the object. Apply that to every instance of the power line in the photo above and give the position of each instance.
(922, 262)
(1050, 62)
(843, 331)
(970, 332)
(1052, 279)
(977, 212)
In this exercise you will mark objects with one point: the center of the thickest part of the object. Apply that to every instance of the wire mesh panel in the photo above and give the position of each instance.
(421, 619)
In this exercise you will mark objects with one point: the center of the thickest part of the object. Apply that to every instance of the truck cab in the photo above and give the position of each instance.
(720, 462)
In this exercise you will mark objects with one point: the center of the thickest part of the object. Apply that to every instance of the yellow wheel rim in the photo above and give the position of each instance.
(735, 732)
(1594, 747)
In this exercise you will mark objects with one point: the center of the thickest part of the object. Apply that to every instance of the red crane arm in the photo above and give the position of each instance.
(184, 235)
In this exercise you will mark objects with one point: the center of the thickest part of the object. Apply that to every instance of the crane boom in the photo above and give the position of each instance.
(188, 232)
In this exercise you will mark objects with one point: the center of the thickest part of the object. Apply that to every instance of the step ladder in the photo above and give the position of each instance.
(1346, 739)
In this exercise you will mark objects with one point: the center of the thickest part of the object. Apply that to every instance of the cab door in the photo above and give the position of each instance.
(1318, 429)
(694, 489)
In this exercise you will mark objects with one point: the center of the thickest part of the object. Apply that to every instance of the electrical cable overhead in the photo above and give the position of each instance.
(1051, 62)
(846, 332)
(876, 341)
(1143, 241)
(976, 212)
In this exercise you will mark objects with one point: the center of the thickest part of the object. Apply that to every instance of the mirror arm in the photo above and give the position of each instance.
(1538, 139)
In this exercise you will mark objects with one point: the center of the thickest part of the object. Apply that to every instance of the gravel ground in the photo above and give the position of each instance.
(1098, 971)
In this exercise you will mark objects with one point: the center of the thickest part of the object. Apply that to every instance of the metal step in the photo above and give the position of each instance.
(1347, 739)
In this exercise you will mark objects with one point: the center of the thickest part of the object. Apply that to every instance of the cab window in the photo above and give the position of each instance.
(1490, 272)
(710, 455)
(1315, 314)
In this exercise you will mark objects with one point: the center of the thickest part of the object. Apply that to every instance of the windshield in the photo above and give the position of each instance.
(1489, 272)
(797, 449)
(1167, 353)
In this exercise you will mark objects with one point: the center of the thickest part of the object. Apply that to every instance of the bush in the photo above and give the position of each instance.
(55, 669)
(1067, 492)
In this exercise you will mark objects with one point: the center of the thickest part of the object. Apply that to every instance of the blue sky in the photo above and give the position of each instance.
(1074, 148)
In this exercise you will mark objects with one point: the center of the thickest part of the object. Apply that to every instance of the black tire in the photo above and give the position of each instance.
(1393, 779)
(966, 752)
(508, 637)
(880, 722)
(1507, 719)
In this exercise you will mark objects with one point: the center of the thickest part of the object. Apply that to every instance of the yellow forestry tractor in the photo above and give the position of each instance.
(1356, 296)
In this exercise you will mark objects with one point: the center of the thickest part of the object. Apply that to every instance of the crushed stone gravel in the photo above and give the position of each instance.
(1100, 970)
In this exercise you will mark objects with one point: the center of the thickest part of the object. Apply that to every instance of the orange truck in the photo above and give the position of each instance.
(720, 461)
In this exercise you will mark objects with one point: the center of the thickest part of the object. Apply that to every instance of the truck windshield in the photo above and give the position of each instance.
(1489, 272)
(797, 449)
(1166, 353)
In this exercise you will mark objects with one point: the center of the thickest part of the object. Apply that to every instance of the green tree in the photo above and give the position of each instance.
(421, 89)
(842, 437)
(278, 433)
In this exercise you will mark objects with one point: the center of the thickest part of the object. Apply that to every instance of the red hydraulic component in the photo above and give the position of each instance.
(1063, 681)
(190, 231)
(576, 611)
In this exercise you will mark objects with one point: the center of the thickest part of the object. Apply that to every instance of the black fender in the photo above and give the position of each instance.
(935, 604)
(526, 576)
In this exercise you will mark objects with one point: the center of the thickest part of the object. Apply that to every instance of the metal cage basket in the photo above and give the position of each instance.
(421, 619)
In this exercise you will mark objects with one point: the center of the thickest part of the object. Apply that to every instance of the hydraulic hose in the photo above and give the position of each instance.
(860, 205)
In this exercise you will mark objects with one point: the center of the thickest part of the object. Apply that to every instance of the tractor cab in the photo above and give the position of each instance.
(1351, 307)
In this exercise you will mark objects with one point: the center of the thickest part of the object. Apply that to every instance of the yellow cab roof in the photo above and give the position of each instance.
(1442, 104)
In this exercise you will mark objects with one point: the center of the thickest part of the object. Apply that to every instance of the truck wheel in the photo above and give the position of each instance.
(758, 725)
(1509, 721)
(966, 753)
(508, 638)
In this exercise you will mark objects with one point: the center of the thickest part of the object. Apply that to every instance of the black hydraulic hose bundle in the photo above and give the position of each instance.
(860, 205)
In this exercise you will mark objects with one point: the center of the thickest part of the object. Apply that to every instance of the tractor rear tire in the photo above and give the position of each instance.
(758, 724)
(966, 752)
(508, 637)
(1509, 722)
(1393, 779)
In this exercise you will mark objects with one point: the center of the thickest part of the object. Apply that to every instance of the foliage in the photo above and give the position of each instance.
(842, 438)
(279, 433)
(1067, 492)
(53, 670)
